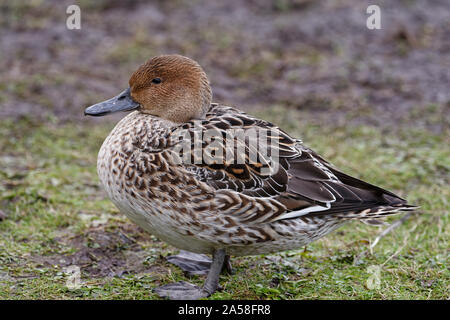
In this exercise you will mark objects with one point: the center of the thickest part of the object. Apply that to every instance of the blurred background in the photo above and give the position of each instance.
(314, 56)
(374, 102)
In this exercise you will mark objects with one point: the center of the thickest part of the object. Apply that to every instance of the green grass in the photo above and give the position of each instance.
(57, 216)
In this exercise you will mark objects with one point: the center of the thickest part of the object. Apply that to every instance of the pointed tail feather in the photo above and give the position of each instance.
(371, 214)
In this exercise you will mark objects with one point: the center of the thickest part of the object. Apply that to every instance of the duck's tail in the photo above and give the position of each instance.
(372, 215)
(374, 202)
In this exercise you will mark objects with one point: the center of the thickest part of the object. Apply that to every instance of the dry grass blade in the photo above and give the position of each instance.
(393, 226)
(382, 234)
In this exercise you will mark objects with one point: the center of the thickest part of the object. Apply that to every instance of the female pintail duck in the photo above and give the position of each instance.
(279, 201)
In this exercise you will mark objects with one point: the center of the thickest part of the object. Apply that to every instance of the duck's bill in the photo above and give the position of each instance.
(121, 102)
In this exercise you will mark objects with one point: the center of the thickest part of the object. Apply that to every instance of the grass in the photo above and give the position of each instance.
(58, 216)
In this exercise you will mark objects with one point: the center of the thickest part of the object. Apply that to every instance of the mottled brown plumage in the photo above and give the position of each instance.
(254, 207)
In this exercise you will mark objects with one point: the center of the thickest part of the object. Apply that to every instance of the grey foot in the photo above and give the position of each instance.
(191, 263)
(181, 291)
(184, 290)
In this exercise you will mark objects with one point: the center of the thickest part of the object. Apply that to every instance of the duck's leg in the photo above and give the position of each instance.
(212, 280)
(185, 291)
(227, 265)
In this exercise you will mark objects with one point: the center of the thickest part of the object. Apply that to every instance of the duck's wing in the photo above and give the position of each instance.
(291, 179)
(236, 157)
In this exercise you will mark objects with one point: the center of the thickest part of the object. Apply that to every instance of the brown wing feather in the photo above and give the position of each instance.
(252, 178)
(304, 179)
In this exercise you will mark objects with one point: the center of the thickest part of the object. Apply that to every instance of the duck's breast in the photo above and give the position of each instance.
(135, 171)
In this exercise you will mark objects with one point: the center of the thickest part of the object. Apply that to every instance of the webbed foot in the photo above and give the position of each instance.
(185, 291)
(181, 291)
(191, 263)
(197, 264)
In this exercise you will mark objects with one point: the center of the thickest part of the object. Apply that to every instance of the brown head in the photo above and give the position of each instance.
(171, 87)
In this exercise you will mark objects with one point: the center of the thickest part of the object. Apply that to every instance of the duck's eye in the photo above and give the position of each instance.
(156, 80)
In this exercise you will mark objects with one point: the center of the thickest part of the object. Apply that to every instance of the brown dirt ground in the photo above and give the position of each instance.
(316, 56)
(100, 252)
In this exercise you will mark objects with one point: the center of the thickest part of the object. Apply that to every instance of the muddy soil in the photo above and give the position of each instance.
(100, 252)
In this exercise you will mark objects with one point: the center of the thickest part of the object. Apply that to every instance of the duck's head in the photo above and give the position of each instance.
(171, 87)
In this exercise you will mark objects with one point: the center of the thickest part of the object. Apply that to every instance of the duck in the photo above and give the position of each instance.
(210, 179)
